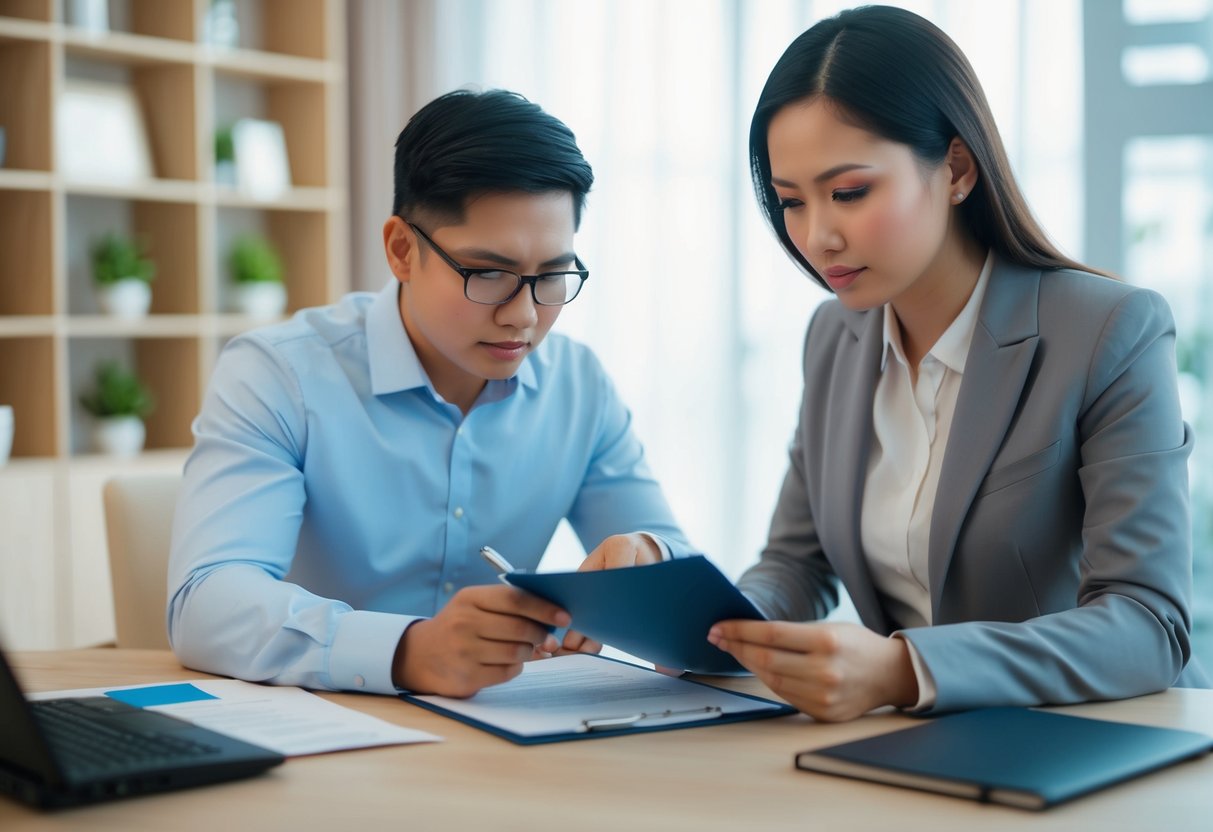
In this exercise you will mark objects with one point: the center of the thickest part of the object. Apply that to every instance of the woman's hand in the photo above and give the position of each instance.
(831, 671)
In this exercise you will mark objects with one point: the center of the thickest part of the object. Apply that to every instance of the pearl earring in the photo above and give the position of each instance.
(959, 197)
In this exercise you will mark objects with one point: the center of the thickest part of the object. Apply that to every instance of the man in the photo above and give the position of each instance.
(350, 463)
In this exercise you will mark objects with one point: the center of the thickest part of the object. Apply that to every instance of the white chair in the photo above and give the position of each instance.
(138, 529)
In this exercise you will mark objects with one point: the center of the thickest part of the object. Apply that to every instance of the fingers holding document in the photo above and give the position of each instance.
(480, 638)
(622, 550)
(833, 671)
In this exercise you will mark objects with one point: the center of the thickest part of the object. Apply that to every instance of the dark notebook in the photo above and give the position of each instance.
(64, 752)
(1020, 757)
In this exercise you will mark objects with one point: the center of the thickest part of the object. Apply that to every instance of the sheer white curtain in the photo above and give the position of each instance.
(692, 307)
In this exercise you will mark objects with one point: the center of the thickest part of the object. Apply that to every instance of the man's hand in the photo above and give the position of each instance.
(831, 671)
(480, 638)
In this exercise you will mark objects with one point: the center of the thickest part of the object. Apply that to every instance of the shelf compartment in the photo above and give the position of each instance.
(167, 366)
(27, 384)
(171, 20)
(302, 108)
(27, 9)
(26, 279)
(287, 27)
(25, 110)
(301, 239)
(166, 96)
(170, 232)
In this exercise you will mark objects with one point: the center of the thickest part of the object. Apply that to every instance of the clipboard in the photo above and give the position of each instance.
(582, 696)
(660, 613)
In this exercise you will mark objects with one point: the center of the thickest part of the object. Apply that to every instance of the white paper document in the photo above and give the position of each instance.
(583, 694)
(288, 720)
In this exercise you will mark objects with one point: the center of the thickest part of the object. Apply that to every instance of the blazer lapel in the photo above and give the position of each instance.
(847, 448)
(997, 366)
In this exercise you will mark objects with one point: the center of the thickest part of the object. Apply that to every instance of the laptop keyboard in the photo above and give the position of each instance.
(84, 742)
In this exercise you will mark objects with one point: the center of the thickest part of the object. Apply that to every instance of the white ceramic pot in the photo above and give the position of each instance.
(119, 435)
(225, 173)
(128, 298)
(263, 300)
(6, 432)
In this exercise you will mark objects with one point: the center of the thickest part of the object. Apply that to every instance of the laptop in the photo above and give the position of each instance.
(67, 752)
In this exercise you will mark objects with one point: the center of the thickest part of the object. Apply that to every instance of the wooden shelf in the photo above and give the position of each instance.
(25, 180)
(288, 67)
(132, 50)
(159, 190)
(297, 199)
(152, 326)
(267, 66)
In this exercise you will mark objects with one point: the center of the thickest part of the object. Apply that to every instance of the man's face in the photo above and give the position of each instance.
(462, 344)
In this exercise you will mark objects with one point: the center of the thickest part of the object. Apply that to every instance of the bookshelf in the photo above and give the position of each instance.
(288, 66)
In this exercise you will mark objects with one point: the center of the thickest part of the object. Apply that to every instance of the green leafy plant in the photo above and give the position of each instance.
(117, 257)
(254, 260)
(225, 149)
(117, 392)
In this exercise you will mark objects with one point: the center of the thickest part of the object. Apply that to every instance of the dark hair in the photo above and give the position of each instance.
(897, 75)
(464, 144)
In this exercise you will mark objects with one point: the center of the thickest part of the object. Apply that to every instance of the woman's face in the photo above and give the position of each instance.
(861, 209)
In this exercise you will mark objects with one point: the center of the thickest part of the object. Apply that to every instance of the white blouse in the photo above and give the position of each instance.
(911, 422)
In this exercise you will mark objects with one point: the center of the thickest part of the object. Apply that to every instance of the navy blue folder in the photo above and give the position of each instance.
(660, 613)
(1015, 756)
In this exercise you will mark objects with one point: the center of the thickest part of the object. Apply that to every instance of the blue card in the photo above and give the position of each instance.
(660, 613)
(160, 695)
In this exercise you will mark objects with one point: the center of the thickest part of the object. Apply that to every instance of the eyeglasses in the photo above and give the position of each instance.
(494, 287)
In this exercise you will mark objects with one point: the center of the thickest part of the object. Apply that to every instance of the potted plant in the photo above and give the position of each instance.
(122, 275)
(119, 402)
(225, 157)
(256, 270)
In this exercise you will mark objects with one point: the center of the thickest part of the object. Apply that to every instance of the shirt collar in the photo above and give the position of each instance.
(394, 363)
(952, 348)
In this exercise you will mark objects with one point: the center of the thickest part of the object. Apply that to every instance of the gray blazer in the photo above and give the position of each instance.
(1060, 554)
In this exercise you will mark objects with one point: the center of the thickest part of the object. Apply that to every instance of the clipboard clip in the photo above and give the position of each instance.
(610, 723)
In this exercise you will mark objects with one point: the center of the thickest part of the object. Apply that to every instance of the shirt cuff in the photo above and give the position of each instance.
(360, 657)
(927, 691)
(664, 547)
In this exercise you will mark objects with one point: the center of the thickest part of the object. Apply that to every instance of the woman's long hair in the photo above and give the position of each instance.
(898, 76)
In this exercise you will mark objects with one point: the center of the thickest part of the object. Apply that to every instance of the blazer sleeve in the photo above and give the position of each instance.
(793, 580)
(1129, 631)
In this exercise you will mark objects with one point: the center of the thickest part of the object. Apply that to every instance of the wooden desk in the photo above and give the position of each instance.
(728, 777)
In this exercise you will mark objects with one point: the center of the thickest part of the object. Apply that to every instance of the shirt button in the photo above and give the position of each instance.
(448, 587)
(458, 512)
(359, 682)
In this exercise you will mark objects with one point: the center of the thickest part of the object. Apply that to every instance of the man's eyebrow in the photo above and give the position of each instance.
(500, 259)
(824, 175)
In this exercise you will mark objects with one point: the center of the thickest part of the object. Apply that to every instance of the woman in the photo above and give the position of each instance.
(990, 456)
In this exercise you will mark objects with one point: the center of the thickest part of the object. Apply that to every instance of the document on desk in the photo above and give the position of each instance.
(660, 613)
(583, 696)
(288, 720)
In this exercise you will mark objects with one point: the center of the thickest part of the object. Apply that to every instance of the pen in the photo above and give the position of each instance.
(504, 568)
(495, 560)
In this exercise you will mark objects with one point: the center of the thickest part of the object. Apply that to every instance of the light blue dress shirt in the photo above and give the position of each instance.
(333, 496)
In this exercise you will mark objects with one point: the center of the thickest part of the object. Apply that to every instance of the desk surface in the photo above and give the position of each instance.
(730, 777)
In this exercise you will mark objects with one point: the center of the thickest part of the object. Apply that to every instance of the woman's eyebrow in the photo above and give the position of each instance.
(845, 167)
